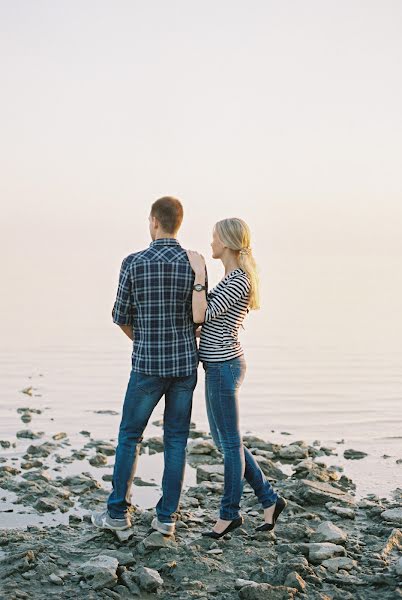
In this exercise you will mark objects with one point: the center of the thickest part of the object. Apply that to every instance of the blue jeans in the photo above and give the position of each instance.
(142, 395)
(222, 383)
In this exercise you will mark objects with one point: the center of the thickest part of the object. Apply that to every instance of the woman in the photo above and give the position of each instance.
(221, 314)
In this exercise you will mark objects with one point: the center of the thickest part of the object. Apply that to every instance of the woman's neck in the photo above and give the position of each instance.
(230, 263)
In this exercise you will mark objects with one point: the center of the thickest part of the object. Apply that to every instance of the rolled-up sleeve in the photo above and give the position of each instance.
(122, 312)
(235, 289)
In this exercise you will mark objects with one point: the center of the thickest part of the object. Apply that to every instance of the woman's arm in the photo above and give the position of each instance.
(197, 263)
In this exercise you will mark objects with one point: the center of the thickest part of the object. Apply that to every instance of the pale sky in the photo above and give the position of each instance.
(287, 114)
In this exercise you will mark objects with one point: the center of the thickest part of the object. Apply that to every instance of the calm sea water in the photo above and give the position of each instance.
(326, 396)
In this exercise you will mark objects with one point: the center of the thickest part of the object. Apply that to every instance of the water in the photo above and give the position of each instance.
(345, 401)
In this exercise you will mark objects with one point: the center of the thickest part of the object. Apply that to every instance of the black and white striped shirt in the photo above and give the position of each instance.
(227, 306)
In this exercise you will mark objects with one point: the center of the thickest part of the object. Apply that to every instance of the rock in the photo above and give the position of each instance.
(354, 454)
(322, 551)
(107, 449)
(46, 505)
(394, 541)
(292, 452)
(156, 540)
(42, 450)
(393, 515)
(80, 484)
(294, 580)
(106, 412)
(265, 591)
(27, 390)
(251, 441)
(103, 570)
(341, 511)
(294, 532)
(5, 444)
(59, 436)
(269, 468)
(398, 567)
(99, 460)
(204, 472)
(128, 579)
(340, 562)
(141, 483)
(149, 580)
(30, 464)
(200, 446)
(154, 443)
(28, 434)
(315, 492)
(240, 583)
(125, 534)
(328, 532)
(55, 579)
(10, 470)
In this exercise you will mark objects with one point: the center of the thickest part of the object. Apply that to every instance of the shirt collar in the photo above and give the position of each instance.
(165, 242)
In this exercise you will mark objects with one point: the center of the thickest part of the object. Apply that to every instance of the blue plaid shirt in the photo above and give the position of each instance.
(154, 296)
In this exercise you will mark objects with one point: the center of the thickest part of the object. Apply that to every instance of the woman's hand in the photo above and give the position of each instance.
(197, 262)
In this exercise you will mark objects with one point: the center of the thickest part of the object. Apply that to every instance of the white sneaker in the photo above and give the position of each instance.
(165, 528)
(104, 521)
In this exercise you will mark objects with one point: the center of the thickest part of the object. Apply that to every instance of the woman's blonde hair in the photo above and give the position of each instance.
(235, 234)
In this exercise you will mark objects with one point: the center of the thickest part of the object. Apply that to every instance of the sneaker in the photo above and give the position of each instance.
(165, 528)
(104, 521)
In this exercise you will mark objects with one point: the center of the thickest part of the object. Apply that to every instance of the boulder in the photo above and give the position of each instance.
(322, 551)
(101, 569)
(328, 532)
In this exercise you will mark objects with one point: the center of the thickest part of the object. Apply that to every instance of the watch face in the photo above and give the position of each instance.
(198, 287)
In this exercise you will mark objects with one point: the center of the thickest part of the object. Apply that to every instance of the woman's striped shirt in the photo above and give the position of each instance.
(227, 306)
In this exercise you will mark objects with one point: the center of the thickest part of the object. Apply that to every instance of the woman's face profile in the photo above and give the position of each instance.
(216, 245)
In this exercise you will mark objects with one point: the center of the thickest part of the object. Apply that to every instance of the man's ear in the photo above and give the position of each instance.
(155, 223)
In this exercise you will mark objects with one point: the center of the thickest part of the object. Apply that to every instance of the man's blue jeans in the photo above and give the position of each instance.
(142, 395)
(222, 383)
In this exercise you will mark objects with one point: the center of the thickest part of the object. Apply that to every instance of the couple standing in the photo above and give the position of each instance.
(161, 301)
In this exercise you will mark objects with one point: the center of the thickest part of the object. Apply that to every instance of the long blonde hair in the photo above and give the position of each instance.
(235, 234)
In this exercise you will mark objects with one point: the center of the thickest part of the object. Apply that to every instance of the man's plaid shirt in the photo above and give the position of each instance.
(154, 296)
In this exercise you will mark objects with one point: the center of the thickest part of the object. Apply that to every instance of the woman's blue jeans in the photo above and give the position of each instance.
(222, 383)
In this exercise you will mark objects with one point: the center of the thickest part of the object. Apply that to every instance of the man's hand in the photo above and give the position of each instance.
(128, 330)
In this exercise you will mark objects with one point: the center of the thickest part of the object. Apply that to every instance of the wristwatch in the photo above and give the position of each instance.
(198, 287)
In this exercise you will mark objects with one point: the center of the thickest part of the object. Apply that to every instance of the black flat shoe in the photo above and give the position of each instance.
(233, 525)
(279, 506)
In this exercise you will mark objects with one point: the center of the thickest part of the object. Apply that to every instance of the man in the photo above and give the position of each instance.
(154, 309)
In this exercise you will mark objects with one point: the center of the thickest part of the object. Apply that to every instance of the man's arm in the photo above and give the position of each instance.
(128, 330)
(122, 313)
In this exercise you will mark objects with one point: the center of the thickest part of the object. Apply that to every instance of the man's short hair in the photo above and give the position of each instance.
(169, 212)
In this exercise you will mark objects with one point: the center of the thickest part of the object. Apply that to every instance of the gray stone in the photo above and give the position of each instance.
(315, 492)
(265, 591)
(354, 454)
(398, 567)
(292, 452)
(103, 570)
(204, 472)
(341, 511)
(269, 468)
(99, 460)
(322, 551)
(328, 532)
(53, 578)
(200, 446)
(294, 580)
(340, 562)
(157, 540)
(393, 515)
(28, 434)
(46, 505)
(149, 580)
(59, 436)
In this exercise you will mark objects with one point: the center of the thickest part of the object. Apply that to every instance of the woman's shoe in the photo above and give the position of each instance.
(279, 506)
(233, 525)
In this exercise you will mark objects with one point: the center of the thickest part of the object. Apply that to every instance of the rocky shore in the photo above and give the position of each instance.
(327, 545)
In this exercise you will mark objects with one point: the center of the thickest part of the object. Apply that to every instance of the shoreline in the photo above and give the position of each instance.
(327, 544)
